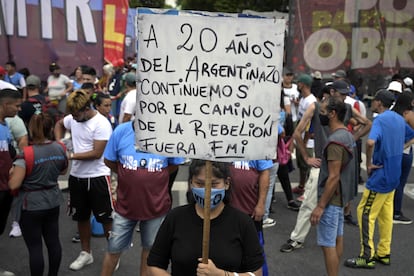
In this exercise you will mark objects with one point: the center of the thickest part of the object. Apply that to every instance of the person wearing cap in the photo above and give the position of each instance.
(311, 116)
(384, 152)
(339, 75)
(307, 98)
(129, 102)
(291, 91)
(395, 87)
(34, 100)
(58, 87)
(353, 119)
(407, 99)
(408, 82)
(317, 83)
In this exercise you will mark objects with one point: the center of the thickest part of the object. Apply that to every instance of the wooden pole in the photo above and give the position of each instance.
(206, 224)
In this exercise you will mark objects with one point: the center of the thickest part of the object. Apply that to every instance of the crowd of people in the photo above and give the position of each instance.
(87, 121)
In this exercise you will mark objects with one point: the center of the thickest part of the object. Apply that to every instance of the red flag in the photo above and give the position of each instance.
(115, 13)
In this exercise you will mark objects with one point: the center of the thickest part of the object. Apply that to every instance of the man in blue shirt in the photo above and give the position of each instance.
(384, 157)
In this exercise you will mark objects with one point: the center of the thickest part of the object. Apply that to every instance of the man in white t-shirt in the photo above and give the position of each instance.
(291, 91)
(307, 98)
(89, 180)
(128, 104)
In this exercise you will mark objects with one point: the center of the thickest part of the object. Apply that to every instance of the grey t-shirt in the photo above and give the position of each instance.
(40, 189)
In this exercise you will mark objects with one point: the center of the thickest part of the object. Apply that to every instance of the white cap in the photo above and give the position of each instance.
(395, 86)
(408, 81)
(317, 75)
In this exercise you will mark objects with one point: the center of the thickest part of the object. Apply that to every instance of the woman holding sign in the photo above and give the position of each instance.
(234, 245)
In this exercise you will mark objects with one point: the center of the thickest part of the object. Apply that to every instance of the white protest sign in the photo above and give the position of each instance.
(208, 87)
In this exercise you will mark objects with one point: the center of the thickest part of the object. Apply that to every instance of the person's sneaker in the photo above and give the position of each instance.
(350, 220)
(359, 262)
(293, 205)
(298, 190)
(290, 245)
(76, 238)
(386, 260)
(401, 219)
(6, 273)
(15, 231)
(269, 222)
(83, 259)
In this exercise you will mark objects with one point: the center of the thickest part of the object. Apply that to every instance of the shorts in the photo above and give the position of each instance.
(330, 226)
(91, 194)
(120, 238)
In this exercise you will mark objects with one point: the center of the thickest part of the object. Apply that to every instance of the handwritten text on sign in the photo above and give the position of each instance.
(208, 87)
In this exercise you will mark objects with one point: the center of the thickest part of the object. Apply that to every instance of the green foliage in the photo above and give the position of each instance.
(147, 3)
(232, 5)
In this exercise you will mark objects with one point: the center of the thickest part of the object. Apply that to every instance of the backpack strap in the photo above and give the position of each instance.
(29, 158)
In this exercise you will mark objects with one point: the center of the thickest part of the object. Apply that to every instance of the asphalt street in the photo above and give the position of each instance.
(305, 261)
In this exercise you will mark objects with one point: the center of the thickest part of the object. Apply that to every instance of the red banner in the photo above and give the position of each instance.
(115, 14)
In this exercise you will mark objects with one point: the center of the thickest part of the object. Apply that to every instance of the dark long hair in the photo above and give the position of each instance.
(219, 169)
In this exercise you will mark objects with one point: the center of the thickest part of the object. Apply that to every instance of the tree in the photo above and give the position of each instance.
(147, 3)
(233, 5)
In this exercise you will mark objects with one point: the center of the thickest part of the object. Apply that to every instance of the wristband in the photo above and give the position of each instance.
(251, 273)
(71, 155)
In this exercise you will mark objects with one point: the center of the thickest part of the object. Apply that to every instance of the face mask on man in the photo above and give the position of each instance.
(217, 196)
(324, 119)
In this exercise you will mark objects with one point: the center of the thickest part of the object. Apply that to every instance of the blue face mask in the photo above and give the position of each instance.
(217, 196)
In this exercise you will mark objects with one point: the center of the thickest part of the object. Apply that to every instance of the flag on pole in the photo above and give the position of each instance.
(115, 16)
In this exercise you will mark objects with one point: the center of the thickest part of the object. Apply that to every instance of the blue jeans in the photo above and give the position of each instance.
(120, 237)
(272, 180)
(405, 172)
(330, 226)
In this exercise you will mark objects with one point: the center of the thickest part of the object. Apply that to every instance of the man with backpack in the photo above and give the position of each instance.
(37, 102)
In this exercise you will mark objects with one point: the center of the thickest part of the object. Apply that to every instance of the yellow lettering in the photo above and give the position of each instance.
(110, 18)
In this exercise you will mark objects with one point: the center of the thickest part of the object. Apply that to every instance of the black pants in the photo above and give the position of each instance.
(283, 175)
(44, 224)
(5, 204)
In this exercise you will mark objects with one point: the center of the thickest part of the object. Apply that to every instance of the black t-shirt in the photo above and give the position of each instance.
(234, 244)
(30, 106)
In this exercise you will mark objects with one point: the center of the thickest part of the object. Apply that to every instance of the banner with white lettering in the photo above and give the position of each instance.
(374, 37)
(208, 87)
(35, 33)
